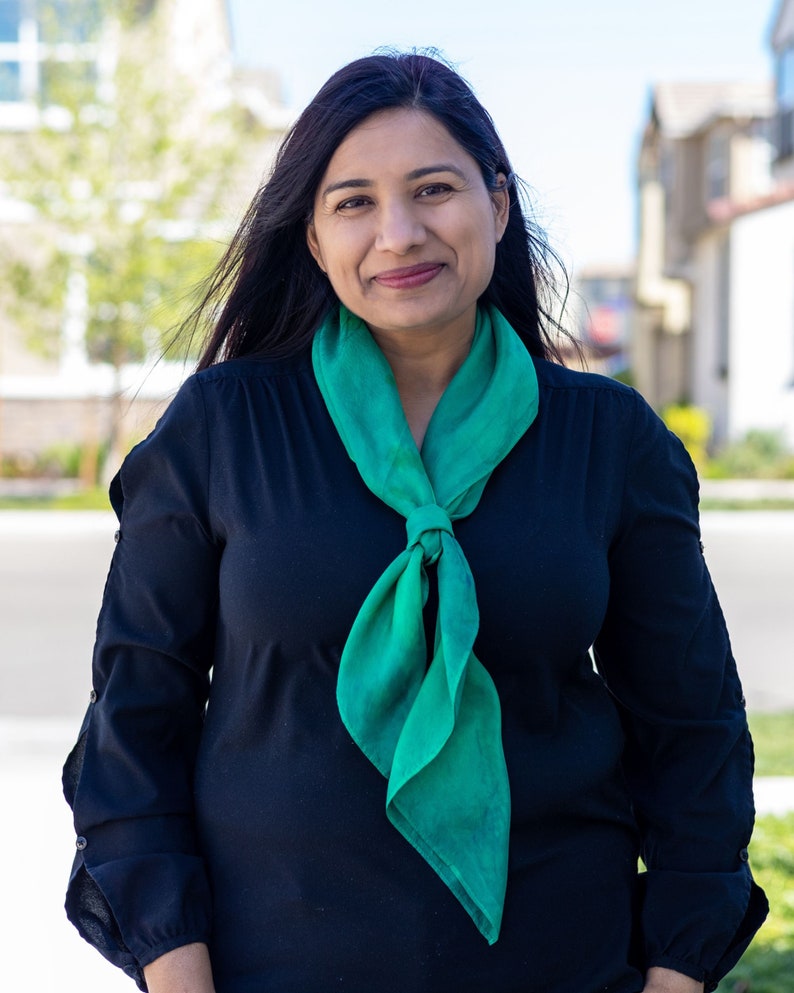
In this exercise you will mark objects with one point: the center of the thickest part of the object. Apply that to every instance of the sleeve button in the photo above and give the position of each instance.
(92, 696)
(117, 536)
(81, 844)
(743, 854)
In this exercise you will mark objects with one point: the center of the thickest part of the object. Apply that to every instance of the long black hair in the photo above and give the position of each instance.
(268, 291)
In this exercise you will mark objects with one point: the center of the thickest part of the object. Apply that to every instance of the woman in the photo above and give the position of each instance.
(399, 784)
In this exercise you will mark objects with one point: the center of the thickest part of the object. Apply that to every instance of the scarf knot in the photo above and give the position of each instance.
(425, 526)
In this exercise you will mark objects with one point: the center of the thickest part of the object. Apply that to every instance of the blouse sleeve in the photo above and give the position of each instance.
(138, 886)
(665, 655)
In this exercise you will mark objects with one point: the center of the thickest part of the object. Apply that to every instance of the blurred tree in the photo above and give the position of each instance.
(130, 175)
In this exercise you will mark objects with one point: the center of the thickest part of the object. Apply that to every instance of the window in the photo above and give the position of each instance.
(785, 103)
(785, 78)
(71, 21)
(10, 16)
(718, 152)
(46, 50)
(667, 176)
(10, 82)
(723, 310)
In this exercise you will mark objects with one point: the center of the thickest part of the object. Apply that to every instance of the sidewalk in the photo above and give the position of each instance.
(41, 951)
(37, 836)
(743, 490)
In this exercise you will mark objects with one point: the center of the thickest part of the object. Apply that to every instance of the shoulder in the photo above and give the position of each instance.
(589, 396)
(555, 377)
(604, 414)
(221, 397)
(253, 370)
(227, 388)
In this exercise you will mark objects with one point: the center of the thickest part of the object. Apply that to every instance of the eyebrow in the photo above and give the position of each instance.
(357, 184)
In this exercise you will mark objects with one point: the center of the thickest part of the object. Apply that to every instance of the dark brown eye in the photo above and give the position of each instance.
(435, 189)
(352, 202)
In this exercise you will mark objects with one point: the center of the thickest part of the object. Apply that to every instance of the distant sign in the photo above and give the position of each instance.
(607, 325)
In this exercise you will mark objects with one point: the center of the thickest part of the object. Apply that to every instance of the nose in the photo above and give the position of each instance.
(399, 228)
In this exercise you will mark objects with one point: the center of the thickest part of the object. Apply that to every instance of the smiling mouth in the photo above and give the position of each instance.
(410, 276)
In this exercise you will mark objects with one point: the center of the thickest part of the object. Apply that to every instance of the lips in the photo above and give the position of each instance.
(410, 276)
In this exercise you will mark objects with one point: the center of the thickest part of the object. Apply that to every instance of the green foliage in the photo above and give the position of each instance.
(75, 22)
(61, 461)
(625, 376)
(768, 965)
(133, 182)
(33, 298)
(128, 172)
(759, 455)
(142, 293)
(693, 426)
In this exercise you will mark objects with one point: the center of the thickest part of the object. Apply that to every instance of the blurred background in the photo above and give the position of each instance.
(657, 142)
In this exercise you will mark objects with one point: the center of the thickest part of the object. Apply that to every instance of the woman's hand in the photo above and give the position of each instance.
(184, 970)
(661, 980)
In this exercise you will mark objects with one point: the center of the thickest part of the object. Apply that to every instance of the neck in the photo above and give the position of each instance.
(423, 366)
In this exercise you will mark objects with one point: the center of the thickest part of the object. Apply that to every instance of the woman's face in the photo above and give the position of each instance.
(404, 226)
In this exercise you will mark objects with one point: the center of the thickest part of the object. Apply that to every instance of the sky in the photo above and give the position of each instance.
(567, 81)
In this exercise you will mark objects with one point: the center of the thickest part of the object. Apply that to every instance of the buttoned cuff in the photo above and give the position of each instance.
(699, 924)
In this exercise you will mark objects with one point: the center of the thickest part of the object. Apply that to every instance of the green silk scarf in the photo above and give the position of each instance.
(434, 731)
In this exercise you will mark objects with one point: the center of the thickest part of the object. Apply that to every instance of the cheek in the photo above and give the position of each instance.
(341, 255)
(481, 256)
(476, 238)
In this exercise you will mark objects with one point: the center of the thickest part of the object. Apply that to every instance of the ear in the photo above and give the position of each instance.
(501, 204)
(314, 245)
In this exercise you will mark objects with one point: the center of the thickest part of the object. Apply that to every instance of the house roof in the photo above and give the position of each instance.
(684, 108)
(783, 26)
(728, 210)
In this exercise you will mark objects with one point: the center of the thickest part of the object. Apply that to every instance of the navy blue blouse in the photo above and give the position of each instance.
(218, 797)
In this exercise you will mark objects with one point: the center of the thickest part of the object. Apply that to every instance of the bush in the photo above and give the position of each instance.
(62, 461)
(759, 455)
(18, 465)
(693, 426)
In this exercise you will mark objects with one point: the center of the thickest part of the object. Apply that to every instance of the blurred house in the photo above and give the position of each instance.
(63, 398)
(715, 267)
(605, 316)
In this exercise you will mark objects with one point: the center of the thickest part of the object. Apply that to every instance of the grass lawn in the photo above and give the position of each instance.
(768, 965)
(773, 737)
(93, 499)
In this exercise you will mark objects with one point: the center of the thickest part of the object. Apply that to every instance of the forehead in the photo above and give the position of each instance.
(397, 139)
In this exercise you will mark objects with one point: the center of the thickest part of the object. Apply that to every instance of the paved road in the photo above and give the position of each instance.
(52, 572)
(751, 558)
(53, 568)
